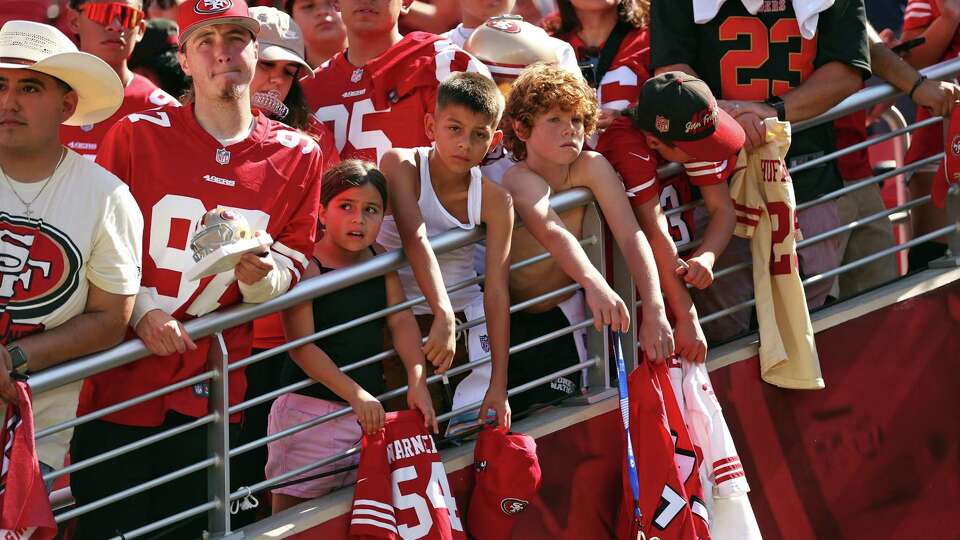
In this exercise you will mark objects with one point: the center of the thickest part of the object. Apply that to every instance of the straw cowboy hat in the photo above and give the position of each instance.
(43, 48)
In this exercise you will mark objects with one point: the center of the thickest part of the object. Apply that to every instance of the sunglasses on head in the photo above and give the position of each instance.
(105, 14)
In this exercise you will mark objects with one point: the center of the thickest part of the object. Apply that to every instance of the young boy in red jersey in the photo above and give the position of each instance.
(434, 190)
(227, 157)
(373, 96)
(651, 133)
(550, 113)
(110, 29)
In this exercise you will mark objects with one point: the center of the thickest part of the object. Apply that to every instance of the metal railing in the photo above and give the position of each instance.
(216, 422)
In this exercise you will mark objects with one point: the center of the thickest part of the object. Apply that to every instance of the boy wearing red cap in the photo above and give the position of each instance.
(232, 159)
(677, 119)
(109, 30)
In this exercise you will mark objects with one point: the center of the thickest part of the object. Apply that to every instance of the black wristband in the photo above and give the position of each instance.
(776, 102)
(916, 85)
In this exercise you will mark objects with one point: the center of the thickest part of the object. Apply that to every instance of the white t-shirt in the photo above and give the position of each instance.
(566, 57)
(85, 228)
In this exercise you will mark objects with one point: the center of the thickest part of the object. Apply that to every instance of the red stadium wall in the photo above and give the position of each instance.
(876, 455)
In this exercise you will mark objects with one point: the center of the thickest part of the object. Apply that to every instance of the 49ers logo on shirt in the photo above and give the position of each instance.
(955, 145)
(39, 267)
(207, 7)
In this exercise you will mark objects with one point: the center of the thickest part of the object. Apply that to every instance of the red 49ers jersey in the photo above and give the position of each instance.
(381, 105)
(141, 94)
(627, 151)
(402, 489)
(176, 172)
(667, 462)
(920, 14)
(620, 85)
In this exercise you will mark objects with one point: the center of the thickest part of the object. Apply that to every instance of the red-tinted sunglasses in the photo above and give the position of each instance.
(105, 14)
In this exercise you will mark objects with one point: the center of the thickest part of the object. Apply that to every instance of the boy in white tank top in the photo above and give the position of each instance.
(434, 190)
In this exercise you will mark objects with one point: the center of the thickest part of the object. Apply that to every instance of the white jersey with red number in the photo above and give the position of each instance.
(141, 94)
(176, 172)
(402, 489)
(381, 105)
(724, 482)
(762, 192)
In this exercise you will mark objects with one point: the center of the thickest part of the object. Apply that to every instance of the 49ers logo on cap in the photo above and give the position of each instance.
(512, 507)
(955, 145)
(208, 7)
(504, 25)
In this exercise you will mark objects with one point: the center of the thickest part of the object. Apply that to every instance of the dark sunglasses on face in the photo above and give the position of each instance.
(105, 14)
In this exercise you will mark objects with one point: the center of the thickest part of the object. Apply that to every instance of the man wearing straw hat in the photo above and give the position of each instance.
(70, 231)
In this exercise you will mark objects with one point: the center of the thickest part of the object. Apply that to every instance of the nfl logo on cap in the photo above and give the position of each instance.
(663, 124)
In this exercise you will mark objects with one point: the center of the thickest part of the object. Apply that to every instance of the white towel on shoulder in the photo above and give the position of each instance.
(807, 11)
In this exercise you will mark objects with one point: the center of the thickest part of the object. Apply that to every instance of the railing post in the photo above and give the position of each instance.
(218, 440)
(952, 258)
(598, 376)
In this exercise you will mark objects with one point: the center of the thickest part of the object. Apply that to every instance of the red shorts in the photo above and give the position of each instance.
(925, 142)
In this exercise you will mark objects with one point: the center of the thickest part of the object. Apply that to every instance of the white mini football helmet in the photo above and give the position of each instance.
(217, 228)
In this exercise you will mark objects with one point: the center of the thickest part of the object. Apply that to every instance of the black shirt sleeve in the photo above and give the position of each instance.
(842, 36)
(673, 34)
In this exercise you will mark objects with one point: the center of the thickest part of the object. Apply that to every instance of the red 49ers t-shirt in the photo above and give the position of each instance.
(141, 94)
(381, 105)
(626, 149)
(402, 489)
(620, 85)
(176, 172)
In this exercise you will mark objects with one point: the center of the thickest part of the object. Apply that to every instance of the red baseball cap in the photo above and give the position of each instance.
(193, 15)
(507, 473)
(949, 171)
(680, 109)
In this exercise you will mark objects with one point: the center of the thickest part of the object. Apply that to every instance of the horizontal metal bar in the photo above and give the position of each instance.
(176, 518)
(127, 448)
(831, 233)
(865, 144)
(880, 254)
(576, 368)
(839, 270)
(854, 186)
(267, 484)
(234, 452)
(370, 360)
(132, 350)
(116, 407)
(875, 94)
(146, 486)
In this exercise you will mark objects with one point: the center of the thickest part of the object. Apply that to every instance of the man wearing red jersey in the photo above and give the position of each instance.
(228, 158)
(374, 94)
(109, 29)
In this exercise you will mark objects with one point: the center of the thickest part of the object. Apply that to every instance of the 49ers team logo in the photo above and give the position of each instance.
(504, 24)
(955, 145)
(39, 269)
(208, 7)
(512, 507)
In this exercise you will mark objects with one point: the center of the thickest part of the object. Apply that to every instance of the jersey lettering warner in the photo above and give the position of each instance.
(176, 172)
(381, 105)
(402, 490)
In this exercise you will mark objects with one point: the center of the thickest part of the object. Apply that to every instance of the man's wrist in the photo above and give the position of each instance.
(778, 107)
(18, 359)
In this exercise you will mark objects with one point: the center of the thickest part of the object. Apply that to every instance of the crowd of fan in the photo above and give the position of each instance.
(393, 195)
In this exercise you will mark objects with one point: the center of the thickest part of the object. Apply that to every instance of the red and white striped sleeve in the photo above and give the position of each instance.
(920, 14)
